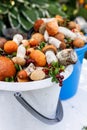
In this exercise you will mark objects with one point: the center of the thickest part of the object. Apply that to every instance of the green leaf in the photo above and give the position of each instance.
(40, 13)
(13, 22)
(3, 9)
(9, 79)
(2, 26)
(54, 79)
(18, 67)
(83, 12)
(56, 71)
(53, 10)
(30, 14)
(40, 2)
(21, 1)
(14, 12)
(24, 23)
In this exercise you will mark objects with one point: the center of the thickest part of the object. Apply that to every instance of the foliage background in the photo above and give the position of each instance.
(21, 14)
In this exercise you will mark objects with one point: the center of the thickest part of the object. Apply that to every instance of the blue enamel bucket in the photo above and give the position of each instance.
(70, 85)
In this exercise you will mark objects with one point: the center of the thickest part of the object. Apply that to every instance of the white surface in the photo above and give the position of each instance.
(75, 112)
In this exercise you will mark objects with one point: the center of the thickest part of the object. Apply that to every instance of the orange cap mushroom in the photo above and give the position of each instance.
(10, 46)
(39, 57)
(52, 27)
(7, 68)
(49, 47)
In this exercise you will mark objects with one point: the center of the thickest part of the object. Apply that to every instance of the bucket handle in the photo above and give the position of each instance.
(39, 116)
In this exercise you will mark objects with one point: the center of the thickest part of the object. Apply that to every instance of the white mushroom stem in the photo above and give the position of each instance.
(54, 42)
(50, 56)
(17, 38)
(30, 69)
(20, 57)
(21, 51)
(46, 36)
(68, 33)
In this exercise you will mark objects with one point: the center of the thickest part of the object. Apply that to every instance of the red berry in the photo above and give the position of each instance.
(58, 76)
(60, 80)
(49, 65)
(46, 71)
(28, 61)
(60, 84)
(62, 77)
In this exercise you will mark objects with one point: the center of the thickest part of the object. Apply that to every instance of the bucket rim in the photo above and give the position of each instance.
(33, 85)
(82, 48)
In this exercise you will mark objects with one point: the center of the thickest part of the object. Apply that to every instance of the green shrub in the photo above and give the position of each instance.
(21, 14)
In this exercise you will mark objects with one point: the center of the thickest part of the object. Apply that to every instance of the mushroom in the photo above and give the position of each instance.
(17, 38)
(67, 57)
(25, 42)
(59, 19)
(39, 57)
(46, 36)
(50, 51)
(42, 28)
(33, 42)
(37, 24)
(78, 42)
(37, 75)
(38, 36)
(10, 46)
(67, 32)
(24, 74)
(52, 27)
(60, 36)
(79, 35)
(54, 42)
(19, 59)
(7, 68)
(71, 25)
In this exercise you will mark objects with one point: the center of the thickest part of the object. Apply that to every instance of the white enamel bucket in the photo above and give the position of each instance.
(42, 95)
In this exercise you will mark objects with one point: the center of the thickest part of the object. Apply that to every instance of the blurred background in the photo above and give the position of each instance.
(21, 14)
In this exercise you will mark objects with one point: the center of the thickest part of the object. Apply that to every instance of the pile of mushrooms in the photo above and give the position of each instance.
(47, 44)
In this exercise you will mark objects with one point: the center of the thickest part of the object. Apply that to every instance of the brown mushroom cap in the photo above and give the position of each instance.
(60, 36)
(52, 27)
(39, 37)
(49, 47)
(22, 74)
(37, 24)
(39, 57)
(10, 46)
(71, 25)
(78, 42)
(7, 68)
(59, 19)
(22, 80)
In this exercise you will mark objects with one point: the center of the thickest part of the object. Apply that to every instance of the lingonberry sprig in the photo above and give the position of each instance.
(54, 71)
